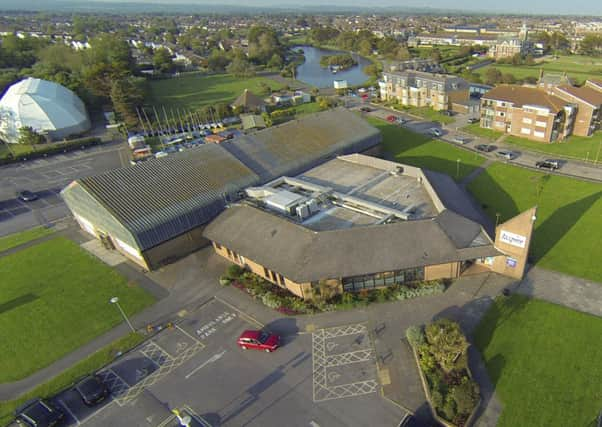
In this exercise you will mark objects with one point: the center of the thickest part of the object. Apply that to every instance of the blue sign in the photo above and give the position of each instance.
(511, 262)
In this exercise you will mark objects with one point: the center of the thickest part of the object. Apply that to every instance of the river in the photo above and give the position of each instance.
(312, 73)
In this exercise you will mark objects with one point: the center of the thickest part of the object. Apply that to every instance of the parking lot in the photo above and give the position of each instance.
(324, 378)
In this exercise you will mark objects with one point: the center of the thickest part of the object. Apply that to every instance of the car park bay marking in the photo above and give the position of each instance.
(64, 405)
(190, 336)
(212, 359)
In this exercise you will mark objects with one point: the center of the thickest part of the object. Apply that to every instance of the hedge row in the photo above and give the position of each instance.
(52, 148)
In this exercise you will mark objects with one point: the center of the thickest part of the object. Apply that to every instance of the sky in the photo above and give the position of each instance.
(591, 8)
(577, 7)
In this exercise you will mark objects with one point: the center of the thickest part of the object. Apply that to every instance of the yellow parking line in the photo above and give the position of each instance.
(242, 313)
(190, 336)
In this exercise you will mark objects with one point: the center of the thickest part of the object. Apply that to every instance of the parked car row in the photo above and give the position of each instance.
(43, 413)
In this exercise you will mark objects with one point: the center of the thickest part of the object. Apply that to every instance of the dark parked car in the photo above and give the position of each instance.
(473, 120)
(448, 113)
(548, 164)
(486, 148)
(92, 390)
(39, 413)
(27, 196)
(366, 109)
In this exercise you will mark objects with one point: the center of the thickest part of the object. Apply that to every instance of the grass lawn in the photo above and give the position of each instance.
(426, 113)
(544, 360)
(192, 91)
(17, 239)
(54, 298)
(415, 149)
(477, 130)
(577, 147)
(15, 149)
(68, 377)
(568, 229)
(579, 67)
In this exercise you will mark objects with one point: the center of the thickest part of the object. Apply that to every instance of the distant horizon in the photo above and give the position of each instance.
(582, 8)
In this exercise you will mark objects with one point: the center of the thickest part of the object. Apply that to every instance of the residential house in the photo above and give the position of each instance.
(589, 106)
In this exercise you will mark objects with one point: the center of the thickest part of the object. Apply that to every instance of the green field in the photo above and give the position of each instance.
(477, 130)
(405, 146)
(429, 114)
(192, 91)
(55, 298)
(17, 239)
(575, 147)
(580, 68)
(544, 360)
(568, 230)
(68, 377)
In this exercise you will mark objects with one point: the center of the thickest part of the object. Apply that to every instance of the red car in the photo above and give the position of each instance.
(391, 118)
(258, 340)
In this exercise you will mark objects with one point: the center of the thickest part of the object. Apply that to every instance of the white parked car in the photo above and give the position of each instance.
(506, 154)
(435, 132)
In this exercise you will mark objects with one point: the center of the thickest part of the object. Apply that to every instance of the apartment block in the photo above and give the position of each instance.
(420, 89)
(527, 112)
(507, 49)
(589, 106)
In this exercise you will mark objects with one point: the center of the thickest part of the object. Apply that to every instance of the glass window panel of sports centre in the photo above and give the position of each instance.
(389, 278)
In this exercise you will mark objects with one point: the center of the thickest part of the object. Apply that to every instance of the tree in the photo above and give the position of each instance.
(436, 55)
(591, 45)
(162, 61)
(275, 61)
(402, 54)
(240, 67)
(508, 78)
(493, 76)
(29, 136)
(218, 60)
(372, 70)
(447, 342)
(126, 94)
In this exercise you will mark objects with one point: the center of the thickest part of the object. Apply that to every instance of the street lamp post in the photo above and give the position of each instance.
(115, 300)
(457, 168)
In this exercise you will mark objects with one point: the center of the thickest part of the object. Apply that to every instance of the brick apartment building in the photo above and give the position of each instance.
(588, 99)
(527, 112)
(420, 89)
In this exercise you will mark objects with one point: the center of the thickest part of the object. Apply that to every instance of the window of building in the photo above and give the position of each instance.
(217, 245)
(229, 252)
(266, 273)
(539, 134)
(273, 276)
(501, 113)
(525, 131)
(527, 120)
(372, 281)
(541, 124)
(281, 280)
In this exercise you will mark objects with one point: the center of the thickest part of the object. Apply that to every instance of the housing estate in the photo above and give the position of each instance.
(421, 89)
(358, 222)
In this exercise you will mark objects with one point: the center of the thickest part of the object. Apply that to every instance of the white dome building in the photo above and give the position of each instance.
(47, 107)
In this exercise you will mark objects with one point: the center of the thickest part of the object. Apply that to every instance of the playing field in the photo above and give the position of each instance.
(54, 298)
(577, 67)
(405, 146)
(568, 230)
(191, 91)
(544, 360)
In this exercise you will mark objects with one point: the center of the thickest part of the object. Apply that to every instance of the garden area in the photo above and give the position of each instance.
(426, 113)
(54, 299)
(195, 90)
(17, 152)
(568, 229)
(442, 355)
(283, 301)
(544, 360)
(404, 146)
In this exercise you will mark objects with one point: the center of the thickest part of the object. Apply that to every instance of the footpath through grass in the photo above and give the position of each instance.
(16, 239)
(54, 298)
(191, 91)
(568, 229)
(409, 147)
(68, 377)
(544, 360)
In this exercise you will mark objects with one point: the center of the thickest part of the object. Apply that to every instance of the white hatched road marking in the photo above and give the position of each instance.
(321, 390)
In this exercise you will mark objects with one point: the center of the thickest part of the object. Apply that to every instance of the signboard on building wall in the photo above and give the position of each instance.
(513, 239)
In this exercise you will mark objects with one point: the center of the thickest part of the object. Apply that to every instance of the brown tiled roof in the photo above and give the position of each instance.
(521, 95)
(589, 95)
(597, 82)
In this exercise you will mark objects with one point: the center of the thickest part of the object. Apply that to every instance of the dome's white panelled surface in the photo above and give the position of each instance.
(47, 107)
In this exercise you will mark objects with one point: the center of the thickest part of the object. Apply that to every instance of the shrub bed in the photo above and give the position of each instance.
(441, 350)
(282, 300)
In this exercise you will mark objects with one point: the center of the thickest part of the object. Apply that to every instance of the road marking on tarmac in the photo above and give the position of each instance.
(212, 359)
(70, 411)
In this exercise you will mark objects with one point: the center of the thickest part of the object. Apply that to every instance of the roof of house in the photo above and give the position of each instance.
(298, 145)
(522, 95)
(252, 121)
(303, 255)
(162, 198)
(555, 79)
(248, 99)
(596, 82)
(589, 95)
